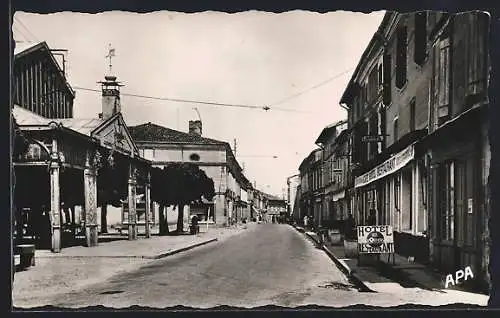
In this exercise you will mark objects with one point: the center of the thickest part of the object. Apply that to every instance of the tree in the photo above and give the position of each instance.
(158, 195)
(186, 183)
(112, 187)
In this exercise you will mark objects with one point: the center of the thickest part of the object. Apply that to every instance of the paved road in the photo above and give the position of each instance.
(272, 264)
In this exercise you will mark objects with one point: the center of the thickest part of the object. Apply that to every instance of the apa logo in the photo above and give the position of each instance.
(375, 239)
(460, 274)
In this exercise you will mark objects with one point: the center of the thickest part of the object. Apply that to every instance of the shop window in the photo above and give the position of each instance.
(401, 63)
(446, 201)
(407, 200)
(420, 50)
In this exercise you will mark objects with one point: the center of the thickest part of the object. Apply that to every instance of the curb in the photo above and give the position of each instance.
(181, 249)
(344, 268)
(158, 256)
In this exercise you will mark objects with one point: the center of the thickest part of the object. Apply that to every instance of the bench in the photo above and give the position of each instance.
(26, 255)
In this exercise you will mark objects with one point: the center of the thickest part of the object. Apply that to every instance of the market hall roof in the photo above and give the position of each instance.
(93, 127)
(22, 50)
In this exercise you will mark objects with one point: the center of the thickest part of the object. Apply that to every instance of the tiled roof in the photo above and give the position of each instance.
(150, 132)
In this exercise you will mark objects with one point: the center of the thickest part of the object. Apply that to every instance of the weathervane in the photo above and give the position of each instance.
(111, 53)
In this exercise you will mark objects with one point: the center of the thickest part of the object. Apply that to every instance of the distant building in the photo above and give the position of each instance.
(163, 145)
(334, 142)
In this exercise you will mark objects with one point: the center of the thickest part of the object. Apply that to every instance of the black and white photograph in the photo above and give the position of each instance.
(250, 159)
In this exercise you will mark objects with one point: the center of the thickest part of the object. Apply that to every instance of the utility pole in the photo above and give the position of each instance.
(234, 148)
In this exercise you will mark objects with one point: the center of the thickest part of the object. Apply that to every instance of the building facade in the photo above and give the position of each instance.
(163, 145)
(68, 160)
(417, 116)
(333, 142)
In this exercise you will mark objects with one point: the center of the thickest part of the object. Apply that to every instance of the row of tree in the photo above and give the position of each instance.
(178, 185)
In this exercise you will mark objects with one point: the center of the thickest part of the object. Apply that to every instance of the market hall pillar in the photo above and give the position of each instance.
(147, 195)
(55, 198)
(132, 212)
(90, 181)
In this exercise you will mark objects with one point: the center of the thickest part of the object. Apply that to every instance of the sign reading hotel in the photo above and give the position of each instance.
(375, 239)
(391, 165)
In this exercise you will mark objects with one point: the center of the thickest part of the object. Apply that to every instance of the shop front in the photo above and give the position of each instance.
(458, 187)
(389, 194)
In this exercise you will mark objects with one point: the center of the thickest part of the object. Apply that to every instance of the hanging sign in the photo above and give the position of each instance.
(375, 239)
(373, 138)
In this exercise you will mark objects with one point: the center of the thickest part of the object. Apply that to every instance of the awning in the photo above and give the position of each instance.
(388, 167)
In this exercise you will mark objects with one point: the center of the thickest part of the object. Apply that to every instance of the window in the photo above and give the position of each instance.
(412, 115)
(194, 157)
(401, 57)
(446, 200)
(395, 130)
(441, 80)
(420, 51)
(387, 79)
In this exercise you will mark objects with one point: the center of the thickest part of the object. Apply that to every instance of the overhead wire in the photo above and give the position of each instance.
(26, 28)
(311, 88)
(180, 100)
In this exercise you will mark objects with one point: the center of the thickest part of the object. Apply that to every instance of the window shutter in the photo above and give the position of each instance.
(387, 79)
(401, 57)
(477, 53)
(444, 78)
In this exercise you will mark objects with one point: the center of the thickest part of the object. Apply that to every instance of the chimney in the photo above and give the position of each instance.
(110, 97)
(195, 127)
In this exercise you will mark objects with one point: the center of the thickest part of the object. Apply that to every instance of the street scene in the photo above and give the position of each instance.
(244, 160)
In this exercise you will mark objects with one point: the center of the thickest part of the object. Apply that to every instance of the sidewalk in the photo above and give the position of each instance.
(79, 266)
(380, 274)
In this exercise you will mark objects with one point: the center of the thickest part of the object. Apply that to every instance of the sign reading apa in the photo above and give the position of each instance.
(375, 239)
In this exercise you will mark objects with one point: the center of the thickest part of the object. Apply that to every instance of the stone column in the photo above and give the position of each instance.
(90, 186)
(55, 199)
(132, 214)
(147, 213)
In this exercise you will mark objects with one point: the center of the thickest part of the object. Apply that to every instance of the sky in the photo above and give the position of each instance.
(250, 58)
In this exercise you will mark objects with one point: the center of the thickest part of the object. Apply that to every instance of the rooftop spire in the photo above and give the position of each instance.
(111, 53)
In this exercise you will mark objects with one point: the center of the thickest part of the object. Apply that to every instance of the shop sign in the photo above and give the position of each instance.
(375, 239)
(391, 165)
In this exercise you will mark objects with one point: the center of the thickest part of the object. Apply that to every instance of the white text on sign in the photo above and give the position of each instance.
(460, 274)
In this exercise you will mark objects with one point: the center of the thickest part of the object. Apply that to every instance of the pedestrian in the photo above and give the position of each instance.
(306, 221)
